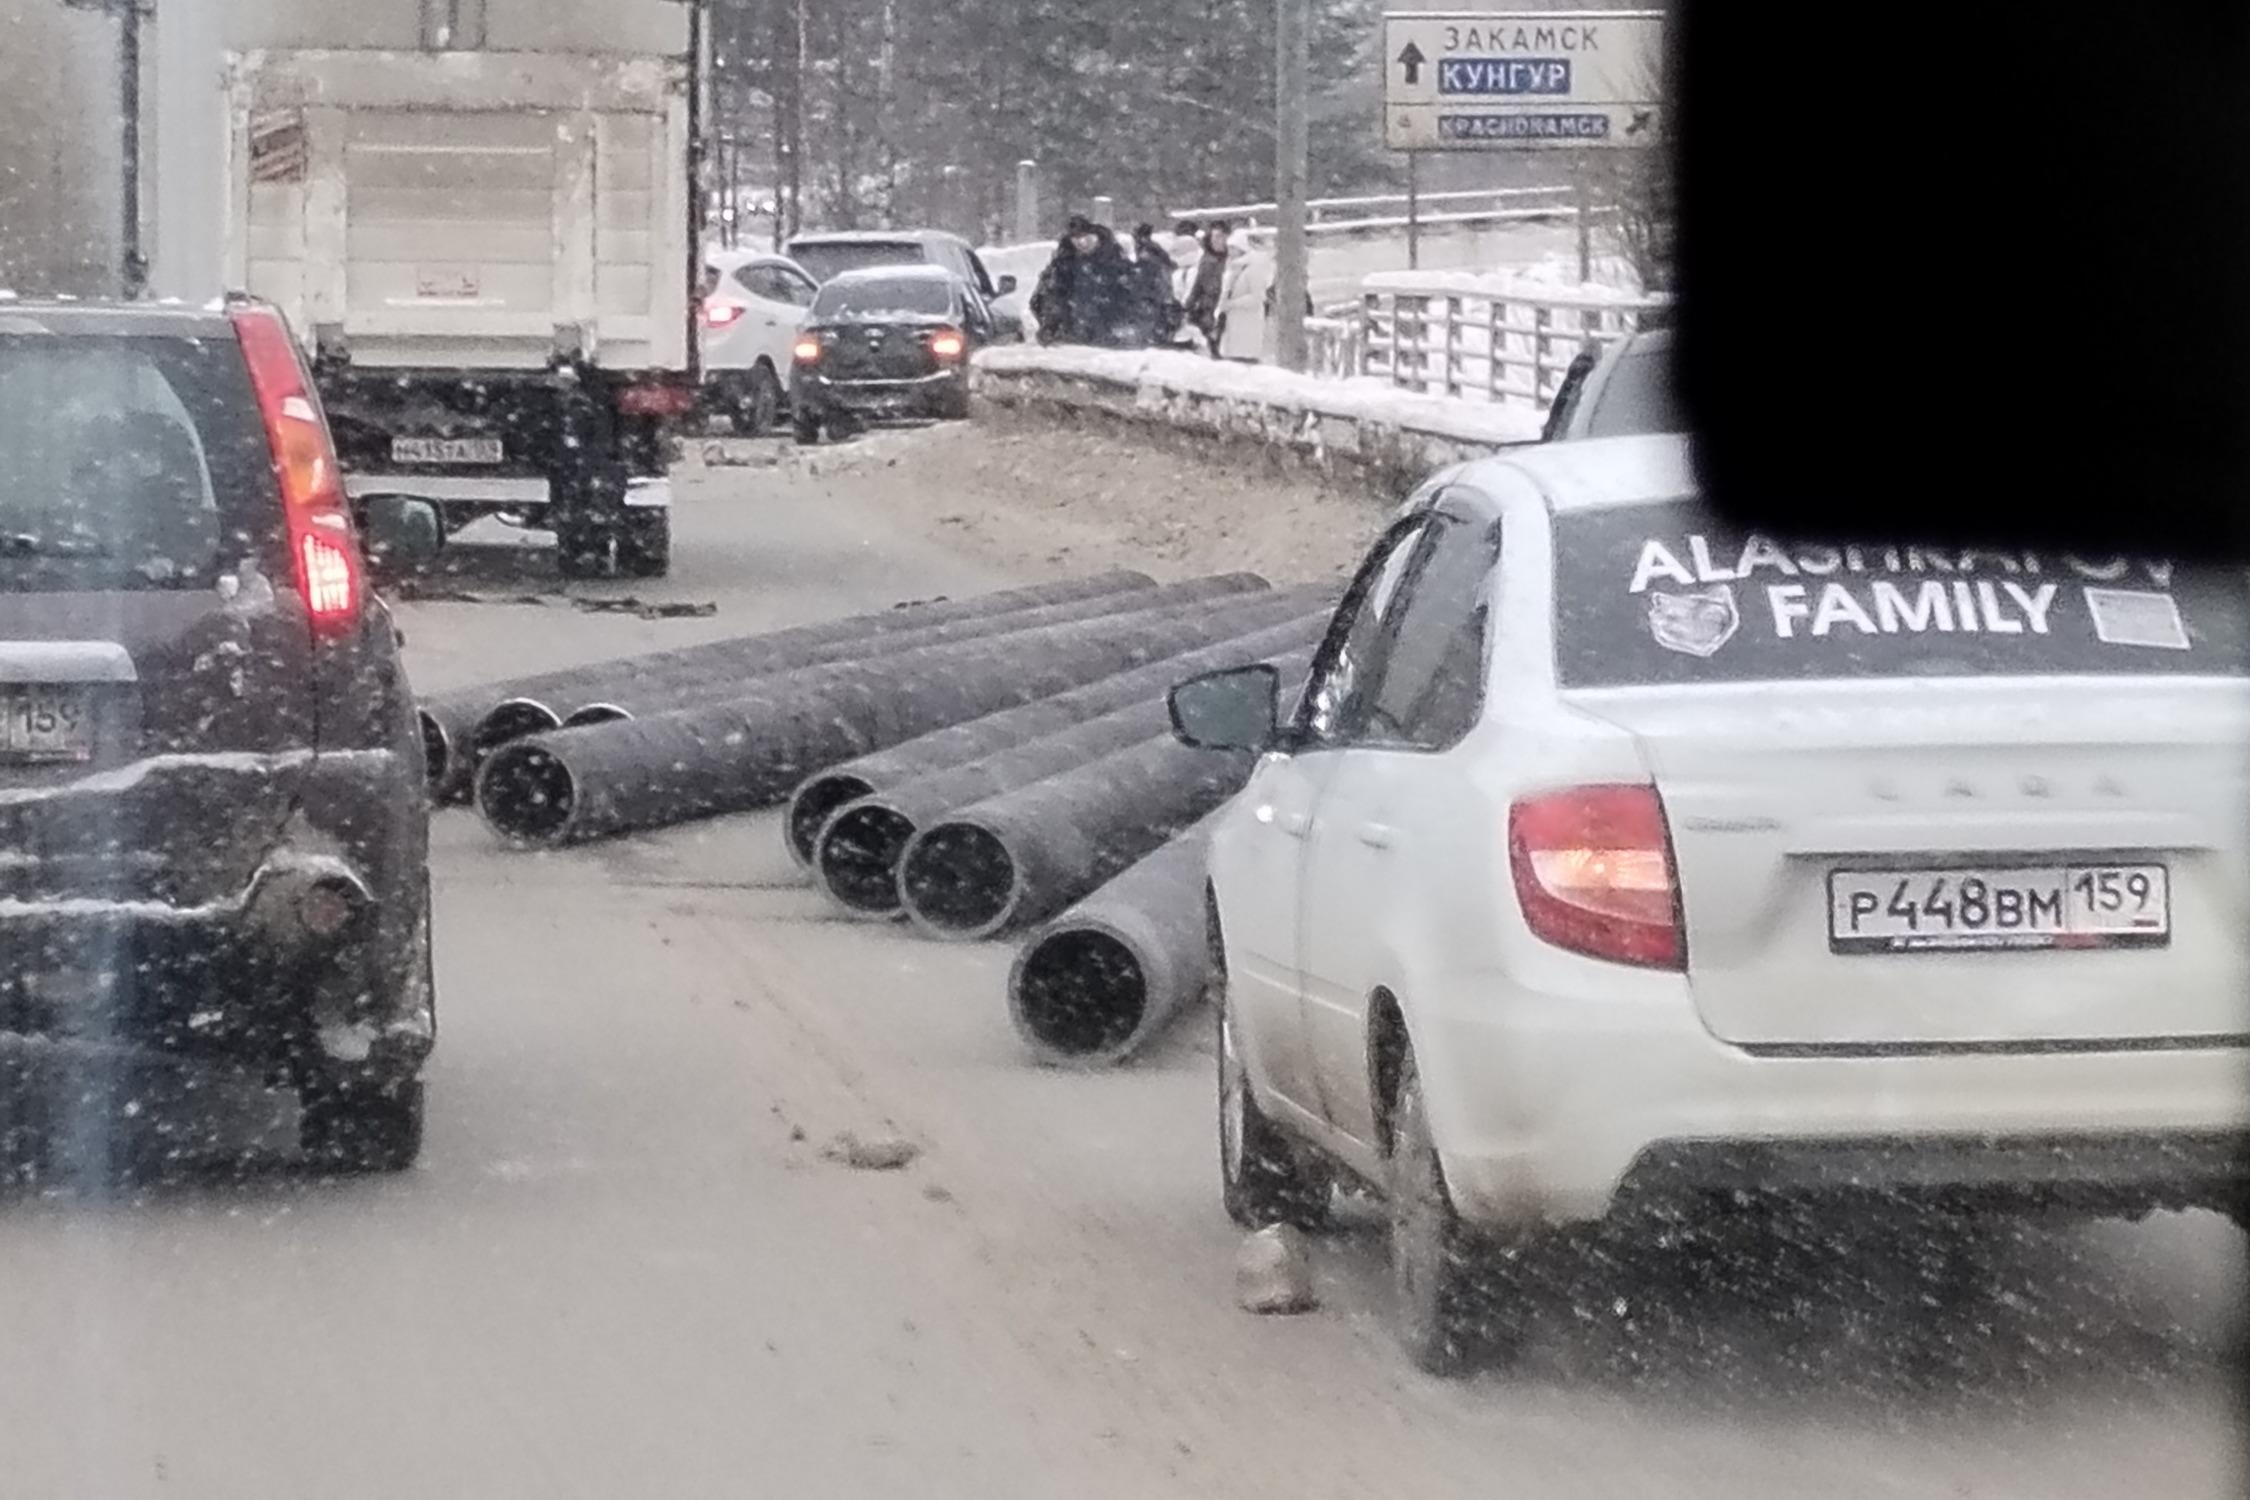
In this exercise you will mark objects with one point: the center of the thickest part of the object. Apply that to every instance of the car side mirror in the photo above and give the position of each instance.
(401, 532)
(1235, 708)
(1007, 285)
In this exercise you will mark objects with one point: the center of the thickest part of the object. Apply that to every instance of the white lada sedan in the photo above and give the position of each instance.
(1616, 857)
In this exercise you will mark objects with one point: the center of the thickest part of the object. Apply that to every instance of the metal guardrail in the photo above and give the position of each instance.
(1383, 211)
(1508, 347)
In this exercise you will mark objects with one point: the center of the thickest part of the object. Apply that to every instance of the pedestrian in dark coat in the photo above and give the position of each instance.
(1087, 294)
(1153, 269)
(1215, 276)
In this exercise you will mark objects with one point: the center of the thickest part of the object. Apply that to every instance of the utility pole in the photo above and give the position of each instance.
(1292, 157)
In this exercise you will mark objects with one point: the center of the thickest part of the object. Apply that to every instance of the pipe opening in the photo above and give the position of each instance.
(815, 803)
(1081, 993)
(437, 748)
(958, 878)
(859, 855)
(596, 713)
(526, 792)
(512, 720)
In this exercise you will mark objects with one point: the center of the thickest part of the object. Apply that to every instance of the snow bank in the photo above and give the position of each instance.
(1527, 285)
(1390, 436)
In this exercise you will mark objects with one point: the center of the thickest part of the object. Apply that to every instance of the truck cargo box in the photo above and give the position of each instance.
(467, 210)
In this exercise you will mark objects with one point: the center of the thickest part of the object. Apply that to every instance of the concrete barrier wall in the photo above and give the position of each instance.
(1356, 431)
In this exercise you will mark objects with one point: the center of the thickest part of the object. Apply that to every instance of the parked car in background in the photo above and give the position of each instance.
(1617, 859)
(211, 784)
(832, 252)
(888, 342)
(1622, 390)
(752, 304)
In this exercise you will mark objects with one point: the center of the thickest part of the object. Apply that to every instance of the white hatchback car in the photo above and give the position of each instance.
(1617, 858)
(753, 303)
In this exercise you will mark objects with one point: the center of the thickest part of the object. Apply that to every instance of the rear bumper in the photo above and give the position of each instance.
(1561, 1107)
(269, 974)
(822, 393)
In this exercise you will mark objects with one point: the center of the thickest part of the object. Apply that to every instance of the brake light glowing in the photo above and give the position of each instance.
(718, 314)
(1594, 873)
(946, 343)
(806, 351)
(322, 549)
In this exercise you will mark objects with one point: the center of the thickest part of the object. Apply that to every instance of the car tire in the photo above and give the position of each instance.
(1449, 1316)
(1263, 1177)
(808, 430)
(362, 1128)
(758, 410)
(644, 546)
(582, 550)
(953, 406)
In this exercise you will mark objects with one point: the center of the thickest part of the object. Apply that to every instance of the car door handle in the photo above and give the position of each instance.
(1295, 823)
(1377, 835)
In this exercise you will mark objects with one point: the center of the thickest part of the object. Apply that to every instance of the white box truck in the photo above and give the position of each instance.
(491, 250)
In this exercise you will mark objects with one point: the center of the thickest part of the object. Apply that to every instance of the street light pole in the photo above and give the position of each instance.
(1292, 153)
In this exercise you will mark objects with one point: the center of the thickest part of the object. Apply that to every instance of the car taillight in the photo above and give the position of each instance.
(656, 399)
(947, 344)
(722, 314)
(323, 552)
(1594, 873)
(806, 351)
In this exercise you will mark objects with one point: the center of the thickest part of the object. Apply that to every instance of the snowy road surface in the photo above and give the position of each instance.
(625, 1269)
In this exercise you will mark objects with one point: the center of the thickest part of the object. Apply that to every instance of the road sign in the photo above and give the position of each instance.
(1471, 81)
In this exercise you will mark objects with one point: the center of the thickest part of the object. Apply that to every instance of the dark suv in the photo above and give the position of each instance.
(213, 846)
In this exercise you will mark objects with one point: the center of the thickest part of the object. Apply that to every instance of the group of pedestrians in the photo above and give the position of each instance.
(1198, 289)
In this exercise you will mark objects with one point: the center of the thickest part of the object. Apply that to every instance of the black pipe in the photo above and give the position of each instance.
(574, 784)
(821, 796)
(1093, 986)
(1031, 851)
(858, 854)
(669, 689)
(449, 721)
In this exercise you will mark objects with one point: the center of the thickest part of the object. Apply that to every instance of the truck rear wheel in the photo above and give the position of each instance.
(644, 544)
(582, 549)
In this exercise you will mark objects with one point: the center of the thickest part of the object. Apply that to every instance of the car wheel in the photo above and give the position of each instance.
(1263, 1178)
(759, 410)
(953, 406)
(362, 1127)
(1448, 1315)
(644, 547)
(808, 430)
(582, 550)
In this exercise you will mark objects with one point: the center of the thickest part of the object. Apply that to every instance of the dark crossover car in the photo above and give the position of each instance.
(885, 343)
(828, 253)
(1623, 390)
(213, 844)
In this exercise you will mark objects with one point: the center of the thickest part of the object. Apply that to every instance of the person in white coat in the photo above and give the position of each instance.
(1242, 303)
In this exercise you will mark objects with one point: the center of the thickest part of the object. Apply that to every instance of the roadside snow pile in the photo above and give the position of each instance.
(1396, 436)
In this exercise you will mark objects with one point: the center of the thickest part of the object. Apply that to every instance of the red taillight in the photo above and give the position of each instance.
(947, 344)
(322, 549)
(718, 314)
(655, 399)
(1594, 873)
(806, 351)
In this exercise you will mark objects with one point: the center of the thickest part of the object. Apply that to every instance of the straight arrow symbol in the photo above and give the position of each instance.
(1411, 59)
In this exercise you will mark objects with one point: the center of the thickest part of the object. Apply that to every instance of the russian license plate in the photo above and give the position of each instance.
(2039, 906)
(409, 450)
(43, 722)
